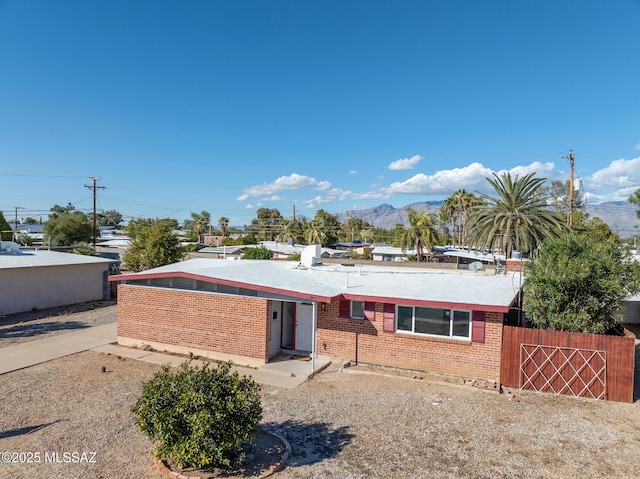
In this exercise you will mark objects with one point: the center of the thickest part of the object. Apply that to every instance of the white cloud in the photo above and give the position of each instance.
(284, 183)
(405, 164)
(637, 147)
(443, 182)
(619, 174)
(472, 178)
(541, 170)
(353, 172)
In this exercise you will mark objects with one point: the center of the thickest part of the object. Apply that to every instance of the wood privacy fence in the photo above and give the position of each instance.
(583, 365)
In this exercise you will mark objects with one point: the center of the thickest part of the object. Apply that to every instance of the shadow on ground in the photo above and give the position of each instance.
(311, 443)
(37, 314)
(28, 330)
(25, 430)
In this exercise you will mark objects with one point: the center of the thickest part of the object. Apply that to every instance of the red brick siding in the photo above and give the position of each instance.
(365, 341)
(236, 325)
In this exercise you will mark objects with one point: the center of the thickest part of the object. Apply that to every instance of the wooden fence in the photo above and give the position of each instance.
(583, 365)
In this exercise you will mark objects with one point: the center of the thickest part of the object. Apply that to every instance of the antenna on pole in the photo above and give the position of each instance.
(94, 188)
(571, 159)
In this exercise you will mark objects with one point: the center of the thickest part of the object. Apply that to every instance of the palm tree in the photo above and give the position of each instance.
(223, 222)
(421, 233)
(518, 218)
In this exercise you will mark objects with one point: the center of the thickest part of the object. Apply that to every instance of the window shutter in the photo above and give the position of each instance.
(477, 327)
(389, 318)
(345, 308)
(370, 310)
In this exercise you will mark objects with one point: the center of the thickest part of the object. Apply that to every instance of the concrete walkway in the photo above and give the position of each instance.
(289, 373)
(23, 355)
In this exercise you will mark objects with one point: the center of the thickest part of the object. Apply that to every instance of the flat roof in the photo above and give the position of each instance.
(31, 258)
(491, 292)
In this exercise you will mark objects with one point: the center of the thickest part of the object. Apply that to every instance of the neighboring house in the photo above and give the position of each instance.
(36, 279)
(250, 311)
(219, 252)
(631, 312)
(34, 232)
(463, 258)
(390, 253)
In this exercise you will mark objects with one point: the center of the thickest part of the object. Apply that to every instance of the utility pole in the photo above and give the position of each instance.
(94, 188)
(15, 223)
(571, 158)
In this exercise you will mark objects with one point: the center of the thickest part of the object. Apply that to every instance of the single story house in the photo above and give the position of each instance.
(390, 253)
(38, 279)
(251, 311)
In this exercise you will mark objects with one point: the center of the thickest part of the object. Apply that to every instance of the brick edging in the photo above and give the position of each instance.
(165, 470)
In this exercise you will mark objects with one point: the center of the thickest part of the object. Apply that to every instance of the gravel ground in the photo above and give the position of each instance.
(340, 424)
(22, 327)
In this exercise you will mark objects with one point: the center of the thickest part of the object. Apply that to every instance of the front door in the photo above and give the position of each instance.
(275, 327)
(304, 327)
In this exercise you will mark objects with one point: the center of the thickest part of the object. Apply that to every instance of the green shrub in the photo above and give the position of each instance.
(258, 253)
(199, 416)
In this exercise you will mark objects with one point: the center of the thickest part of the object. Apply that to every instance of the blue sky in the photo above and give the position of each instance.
(228, 106)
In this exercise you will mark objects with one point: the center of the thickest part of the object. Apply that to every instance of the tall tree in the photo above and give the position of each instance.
(517, 218)
(68, 229)
(578, 283)
(267, 224)
(421, 233)
(6, 232)
(57, 210)
(198, 223)
(223, 223)
(109, 218)
(557, 195)
(153, 244)
(635, 200)
(323, 229)
(456, 209)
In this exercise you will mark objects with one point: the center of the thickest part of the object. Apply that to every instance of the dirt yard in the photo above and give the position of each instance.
(73, 420)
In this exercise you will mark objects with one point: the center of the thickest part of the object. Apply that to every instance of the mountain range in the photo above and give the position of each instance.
(619, 215)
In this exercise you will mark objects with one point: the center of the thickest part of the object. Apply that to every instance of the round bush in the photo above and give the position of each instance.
(199, 416)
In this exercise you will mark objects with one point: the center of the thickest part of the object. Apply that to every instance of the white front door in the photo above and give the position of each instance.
(304, 327)
(275, 325)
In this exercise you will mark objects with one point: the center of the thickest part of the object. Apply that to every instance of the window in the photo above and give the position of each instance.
(434, 321)
(357, 309)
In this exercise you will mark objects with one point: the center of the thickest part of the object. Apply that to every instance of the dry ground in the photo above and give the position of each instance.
(347, 424)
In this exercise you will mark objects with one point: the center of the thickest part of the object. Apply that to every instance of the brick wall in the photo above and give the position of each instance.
(227, 324)
(364, 341)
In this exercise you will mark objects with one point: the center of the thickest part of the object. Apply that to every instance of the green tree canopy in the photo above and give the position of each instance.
(517, 218)
(267, 224)
(577, 283)
(421, 233)
(259, 252)
(153, 244)
(323, 229)
(57, 210)
(198, 223)
(6, 232)
(109, 218)
(455, 211)
(68, 228)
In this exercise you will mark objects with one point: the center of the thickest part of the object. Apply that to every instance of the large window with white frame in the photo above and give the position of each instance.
(434, 321)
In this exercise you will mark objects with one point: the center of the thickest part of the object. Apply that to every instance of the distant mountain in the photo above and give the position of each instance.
(619, 215)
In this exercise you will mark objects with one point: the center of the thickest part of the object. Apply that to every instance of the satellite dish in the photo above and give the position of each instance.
(475, 266)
